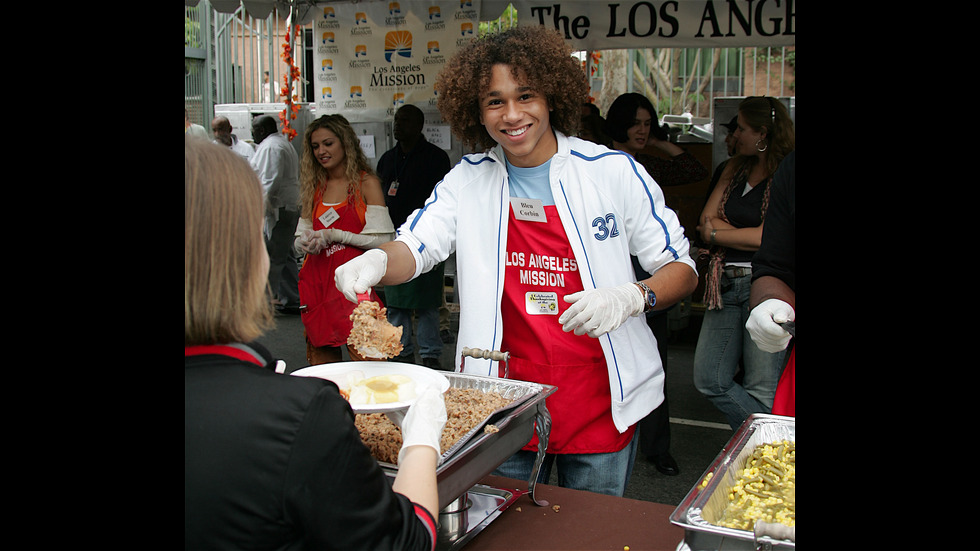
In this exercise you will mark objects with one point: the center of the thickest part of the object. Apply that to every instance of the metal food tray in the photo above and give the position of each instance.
(478, 453)
(702, 506)
(517, 391)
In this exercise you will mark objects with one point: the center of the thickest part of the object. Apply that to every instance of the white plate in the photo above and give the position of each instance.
(337, 372)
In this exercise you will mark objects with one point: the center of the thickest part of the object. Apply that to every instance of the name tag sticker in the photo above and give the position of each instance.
(537, 303)
(528, 210)
(329, 217)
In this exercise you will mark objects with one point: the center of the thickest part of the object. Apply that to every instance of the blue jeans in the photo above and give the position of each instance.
(724, 341)
(430, 344)
(602, 473)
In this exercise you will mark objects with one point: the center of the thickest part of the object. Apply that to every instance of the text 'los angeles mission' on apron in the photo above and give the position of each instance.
(326, 317)
(541, 269)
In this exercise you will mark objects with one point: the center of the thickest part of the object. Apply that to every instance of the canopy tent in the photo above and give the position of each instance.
(588, 25)
(261, 9)
(597, 25)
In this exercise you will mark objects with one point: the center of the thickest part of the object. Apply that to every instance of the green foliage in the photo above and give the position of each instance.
(506, 20)
(192, 28)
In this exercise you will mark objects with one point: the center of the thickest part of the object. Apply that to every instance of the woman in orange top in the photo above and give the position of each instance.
(342, 214)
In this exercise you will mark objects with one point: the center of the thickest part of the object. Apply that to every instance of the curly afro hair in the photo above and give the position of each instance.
(539, 57)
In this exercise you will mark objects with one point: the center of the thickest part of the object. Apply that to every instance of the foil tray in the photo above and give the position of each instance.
(478, 453)
(706, 503)
(517, 392)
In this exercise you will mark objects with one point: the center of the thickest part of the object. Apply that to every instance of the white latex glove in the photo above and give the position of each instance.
(333, 235)
(309, 242)
(599, 311)
(763, 324)
(422, 424)
(360, 274)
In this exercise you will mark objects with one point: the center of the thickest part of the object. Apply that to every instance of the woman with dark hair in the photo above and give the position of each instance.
(732, 223)
(633, 125)
(273, 461)
(342, 214)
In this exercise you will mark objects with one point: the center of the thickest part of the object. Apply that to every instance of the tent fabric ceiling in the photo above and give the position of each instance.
(261, 9)
(257, 8)
(305, 8)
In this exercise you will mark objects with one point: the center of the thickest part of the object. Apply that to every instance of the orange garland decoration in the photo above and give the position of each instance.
(291, 108)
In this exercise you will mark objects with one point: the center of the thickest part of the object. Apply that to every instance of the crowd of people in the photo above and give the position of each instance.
(568, 257)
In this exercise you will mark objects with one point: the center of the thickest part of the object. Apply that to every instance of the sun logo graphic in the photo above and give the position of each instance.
(360, 50)
(360, 17)
(398, 99)
(398, 42)
(327, 92)
(394, 9)
(326, 65)
(432, 47)
(355, 91)
(434, 13)
(328, 37)
(465, 4)
(466, 29)
(328, 12)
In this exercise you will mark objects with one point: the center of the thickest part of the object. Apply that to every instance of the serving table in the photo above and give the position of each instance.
(583, 521)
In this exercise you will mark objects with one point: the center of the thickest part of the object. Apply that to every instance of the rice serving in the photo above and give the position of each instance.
(465, 409)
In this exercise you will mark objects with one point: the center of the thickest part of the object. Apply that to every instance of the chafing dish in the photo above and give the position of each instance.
(465, 506)
(706, 502)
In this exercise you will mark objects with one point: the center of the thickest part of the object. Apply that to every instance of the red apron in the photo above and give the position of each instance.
(326, 315)
(785, 401)
(541, 269)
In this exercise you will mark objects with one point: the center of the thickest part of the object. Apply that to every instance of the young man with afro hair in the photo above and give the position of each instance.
(543, 225)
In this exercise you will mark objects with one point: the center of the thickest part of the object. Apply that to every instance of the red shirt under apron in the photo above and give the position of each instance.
(541, 269)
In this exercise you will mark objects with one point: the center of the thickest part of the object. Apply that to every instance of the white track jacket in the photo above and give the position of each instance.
(610, 208)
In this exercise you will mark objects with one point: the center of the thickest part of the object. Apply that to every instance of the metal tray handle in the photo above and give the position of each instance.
(494, 355)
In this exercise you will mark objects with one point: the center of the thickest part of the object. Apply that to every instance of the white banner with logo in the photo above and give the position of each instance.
(370, 57)
(615, 24)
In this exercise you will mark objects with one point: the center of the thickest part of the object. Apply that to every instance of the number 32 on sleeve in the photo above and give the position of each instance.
(606, 227)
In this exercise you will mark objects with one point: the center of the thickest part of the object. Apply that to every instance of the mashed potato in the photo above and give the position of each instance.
(382, 389)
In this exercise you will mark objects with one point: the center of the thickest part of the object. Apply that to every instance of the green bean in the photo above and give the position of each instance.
(773, 466)
(769, 480)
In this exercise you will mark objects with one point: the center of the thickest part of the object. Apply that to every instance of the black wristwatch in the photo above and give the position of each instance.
(649, 297)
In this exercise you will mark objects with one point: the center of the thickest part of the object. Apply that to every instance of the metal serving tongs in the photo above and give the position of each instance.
(365, 350)
(542, 418)
(542, 425)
